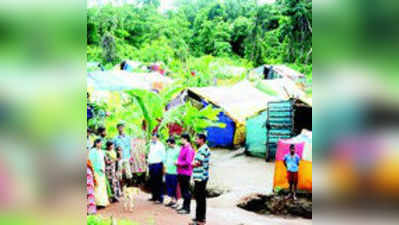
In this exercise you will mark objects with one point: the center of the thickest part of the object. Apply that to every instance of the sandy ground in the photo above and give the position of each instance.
(235, 172)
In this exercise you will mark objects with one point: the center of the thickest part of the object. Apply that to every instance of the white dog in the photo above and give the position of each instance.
(129, 193)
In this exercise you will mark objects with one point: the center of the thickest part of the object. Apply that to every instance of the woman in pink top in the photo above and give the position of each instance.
(184, 172)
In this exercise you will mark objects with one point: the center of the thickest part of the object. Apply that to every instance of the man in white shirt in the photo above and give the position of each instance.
(156, 158)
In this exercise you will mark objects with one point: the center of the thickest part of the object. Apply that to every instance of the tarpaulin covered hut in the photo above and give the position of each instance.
(303, 147)
(122, 80)
(238, 102)
(94, 66)
(257, 131)
(269, 72)
(129, 66)
(281, 71)
(284, 88)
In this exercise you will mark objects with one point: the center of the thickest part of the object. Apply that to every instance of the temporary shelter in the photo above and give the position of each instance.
(157, 67)
(238, 102)
(128, 65)
(284, 88)
(303, 147)
(122, 80)
(269, 72)
(257, 133)
(280, 71)
(286, 119)
(94, 66)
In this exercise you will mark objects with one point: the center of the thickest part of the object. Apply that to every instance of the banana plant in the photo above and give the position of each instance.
(122, 109)
(192, 119)
(196, 120)
(172, 116)
(171, 91)
(151, 107)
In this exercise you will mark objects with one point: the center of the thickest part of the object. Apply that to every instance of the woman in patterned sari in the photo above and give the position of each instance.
(110, 170)
(90, 185)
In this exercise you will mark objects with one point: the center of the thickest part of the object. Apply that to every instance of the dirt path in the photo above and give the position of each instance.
(147, 213)
(239, 174)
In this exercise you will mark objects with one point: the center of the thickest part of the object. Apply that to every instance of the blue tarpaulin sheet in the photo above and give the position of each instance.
(221, 137)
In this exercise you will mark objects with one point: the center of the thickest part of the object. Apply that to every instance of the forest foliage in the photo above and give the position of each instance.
(241, 30)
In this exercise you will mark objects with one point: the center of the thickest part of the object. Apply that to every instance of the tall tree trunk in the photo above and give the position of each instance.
(254, 33)
(308, 56)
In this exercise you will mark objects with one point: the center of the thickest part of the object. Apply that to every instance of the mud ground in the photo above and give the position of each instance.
(234, 173)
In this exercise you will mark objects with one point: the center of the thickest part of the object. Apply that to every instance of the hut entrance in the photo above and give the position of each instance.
(302, 117)
(285, 119)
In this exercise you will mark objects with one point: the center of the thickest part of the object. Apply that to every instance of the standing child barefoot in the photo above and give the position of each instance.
(291, 162)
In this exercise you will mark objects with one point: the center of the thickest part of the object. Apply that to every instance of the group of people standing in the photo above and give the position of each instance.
(177, 165)
(108, 167)
(171, 167)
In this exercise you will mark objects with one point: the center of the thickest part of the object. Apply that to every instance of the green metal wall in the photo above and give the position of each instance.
(256, 135)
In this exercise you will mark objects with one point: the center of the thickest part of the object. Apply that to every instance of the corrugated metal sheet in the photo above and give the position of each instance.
(279, 125)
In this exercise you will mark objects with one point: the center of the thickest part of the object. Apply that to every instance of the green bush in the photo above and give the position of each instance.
(97, 220)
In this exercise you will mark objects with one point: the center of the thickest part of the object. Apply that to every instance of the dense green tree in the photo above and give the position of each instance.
(109, 48)
(296, 29)
(261, 33)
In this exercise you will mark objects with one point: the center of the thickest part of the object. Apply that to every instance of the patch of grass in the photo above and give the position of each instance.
(98, 220)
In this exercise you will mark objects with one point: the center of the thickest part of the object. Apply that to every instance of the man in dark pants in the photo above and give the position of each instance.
(184, 172)
(156, 158)
(201, 176)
